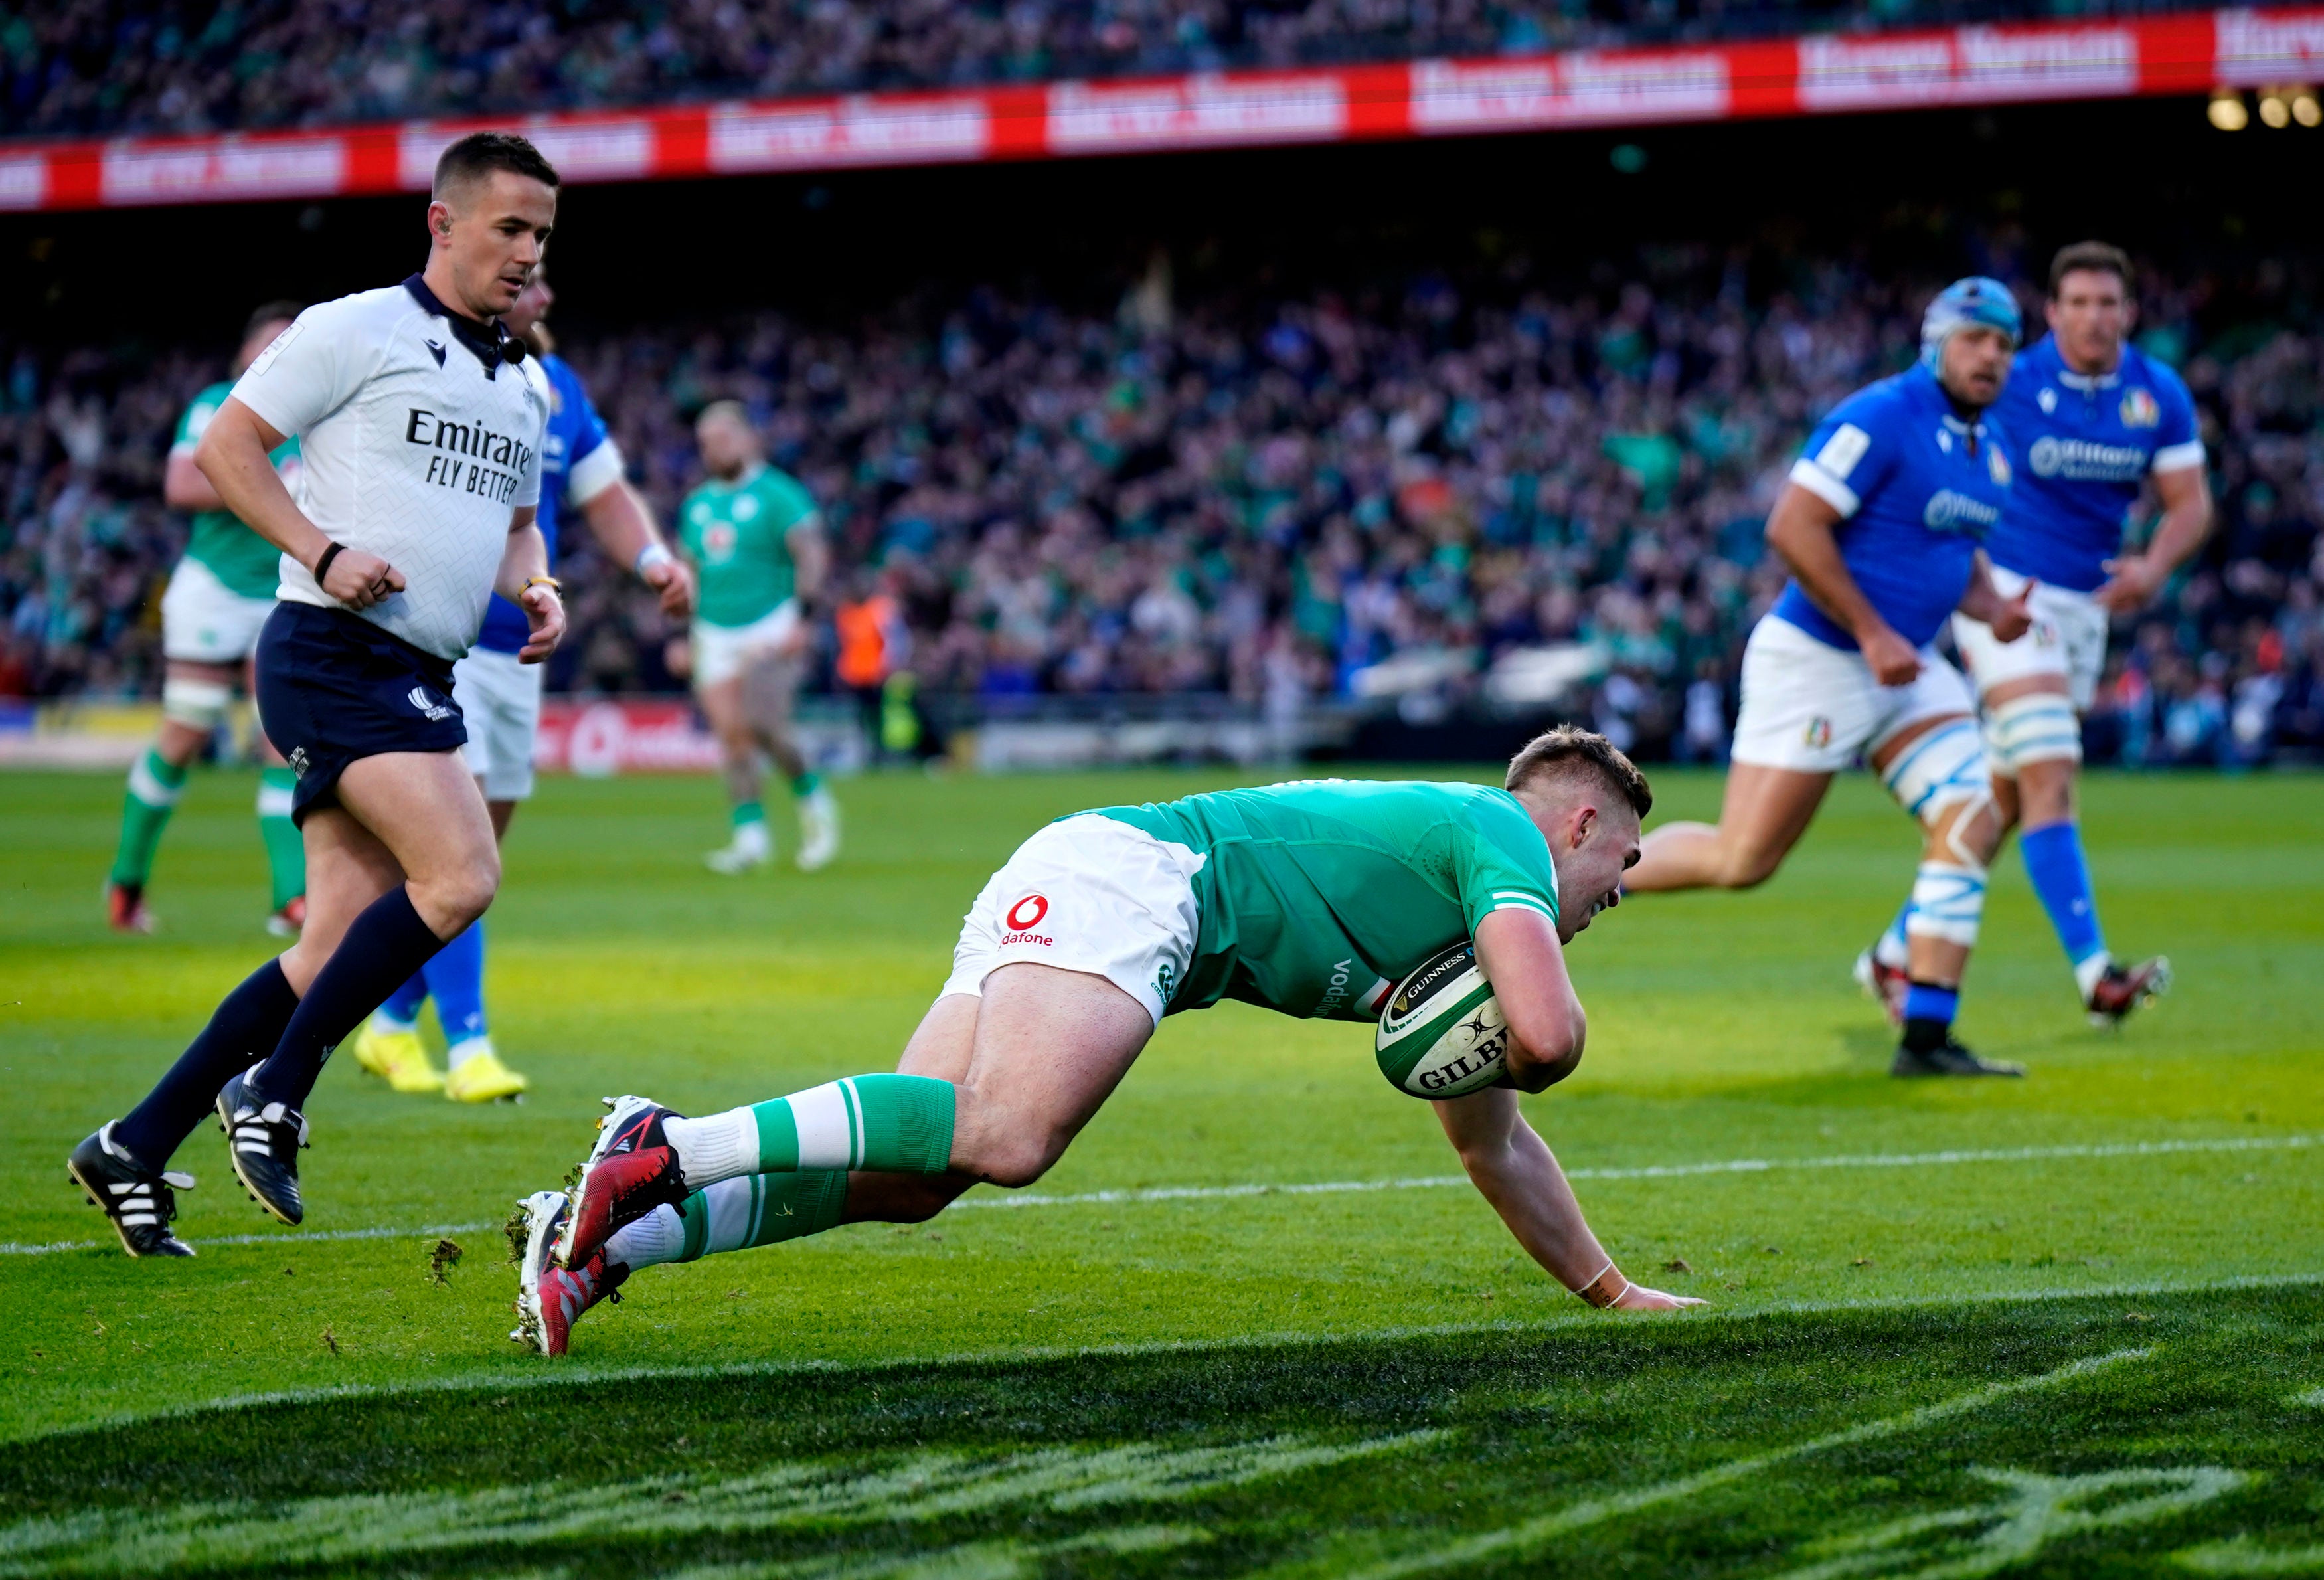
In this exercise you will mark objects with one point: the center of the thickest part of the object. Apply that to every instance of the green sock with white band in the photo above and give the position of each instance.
(900, 1123)
(734, 1214)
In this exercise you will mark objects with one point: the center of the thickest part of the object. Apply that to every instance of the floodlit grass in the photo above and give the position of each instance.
(2069, 1326)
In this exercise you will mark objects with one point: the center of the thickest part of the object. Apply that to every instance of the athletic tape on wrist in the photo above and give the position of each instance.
(652, 555)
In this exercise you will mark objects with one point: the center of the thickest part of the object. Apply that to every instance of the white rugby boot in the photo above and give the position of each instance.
(751, 846)
(818, 830)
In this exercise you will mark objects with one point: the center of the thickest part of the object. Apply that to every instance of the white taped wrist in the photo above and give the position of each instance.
(652, 555)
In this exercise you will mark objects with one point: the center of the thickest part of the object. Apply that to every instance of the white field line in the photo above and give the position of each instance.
(1531, 1533)
(570, 1375)
(1170, 1193)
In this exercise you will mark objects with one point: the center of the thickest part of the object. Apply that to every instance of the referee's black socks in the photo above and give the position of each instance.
(383, 947)
(245, 1029)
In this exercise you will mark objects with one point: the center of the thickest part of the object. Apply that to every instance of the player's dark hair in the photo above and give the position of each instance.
(1570, 746)
(480, 153)
(273, 312)
(2102, 257)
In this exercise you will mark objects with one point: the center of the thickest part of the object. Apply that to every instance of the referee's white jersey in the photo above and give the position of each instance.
(417, 446)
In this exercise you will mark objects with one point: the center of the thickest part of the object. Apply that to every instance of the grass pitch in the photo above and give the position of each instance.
(2071, 1326)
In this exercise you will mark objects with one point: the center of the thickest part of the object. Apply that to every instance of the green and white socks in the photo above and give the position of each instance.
(777, 1171)
(890, 1122)
(733, 1214)
(154, 787)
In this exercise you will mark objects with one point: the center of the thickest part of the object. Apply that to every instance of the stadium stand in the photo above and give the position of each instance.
(107, 66)
(1366, 492)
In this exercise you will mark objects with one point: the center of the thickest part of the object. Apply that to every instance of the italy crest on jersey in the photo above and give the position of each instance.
(2139, 408)
(1997, 466)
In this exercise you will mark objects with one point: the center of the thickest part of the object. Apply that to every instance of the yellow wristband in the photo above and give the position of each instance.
(551, 582)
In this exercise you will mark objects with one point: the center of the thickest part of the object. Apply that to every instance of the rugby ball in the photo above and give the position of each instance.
(1441, 1034)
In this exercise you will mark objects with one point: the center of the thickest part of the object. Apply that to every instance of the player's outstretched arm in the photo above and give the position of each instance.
(623, 525)
(1802, 529)
(2133, 580)
(233, 456)
(1518, 948)
(1513, 1169)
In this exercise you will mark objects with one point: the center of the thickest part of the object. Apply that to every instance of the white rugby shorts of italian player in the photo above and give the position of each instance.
(1813, 707)
(721, 653)
(501, 700)
(1087, 895)
(206, 622)
(2068, 642)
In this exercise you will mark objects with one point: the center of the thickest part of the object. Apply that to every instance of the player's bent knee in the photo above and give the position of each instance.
(1939, 770)
(1749, 867)
(199, 705)
(2039, 727)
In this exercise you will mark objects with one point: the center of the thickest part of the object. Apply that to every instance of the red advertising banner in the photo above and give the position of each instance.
(600, 739)
(1830, 73)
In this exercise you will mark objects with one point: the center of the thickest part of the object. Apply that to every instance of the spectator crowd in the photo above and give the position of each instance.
(88, 68)
(1394, 491)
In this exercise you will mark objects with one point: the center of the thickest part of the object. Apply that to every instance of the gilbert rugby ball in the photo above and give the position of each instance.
(1441, 1034)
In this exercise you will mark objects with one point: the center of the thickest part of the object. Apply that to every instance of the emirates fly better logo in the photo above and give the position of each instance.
(1025, 916)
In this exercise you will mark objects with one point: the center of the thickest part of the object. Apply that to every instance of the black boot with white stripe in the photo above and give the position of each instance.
(138, 1203)
(262, 1141)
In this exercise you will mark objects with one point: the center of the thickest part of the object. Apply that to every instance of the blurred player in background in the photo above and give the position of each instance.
(1313, 900)
(500, 696)
(2091, 418)
(1880, 525)
(756, 540)
(218, 596)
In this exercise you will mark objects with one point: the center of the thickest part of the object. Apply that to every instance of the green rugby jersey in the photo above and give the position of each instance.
(1319, 895)
(239, 557)
(735, 534)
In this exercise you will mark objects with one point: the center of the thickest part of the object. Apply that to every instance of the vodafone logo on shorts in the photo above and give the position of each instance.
(1025, 916)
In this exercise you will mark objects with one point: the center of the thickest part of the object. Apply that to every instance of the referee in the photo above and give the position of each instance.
(421, 438)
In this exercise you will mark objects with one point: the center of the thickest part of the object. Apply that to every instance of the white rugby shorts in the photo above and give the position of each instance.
(499, 698)
(206, 622)
(1087, 895)
(721, 653)
(2068, 642)
(1814, 708)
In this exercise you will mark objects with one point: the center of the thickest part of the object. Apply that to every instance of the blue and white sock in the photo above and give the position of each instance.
(456, 976)
(401, 1013)
(2061, 877)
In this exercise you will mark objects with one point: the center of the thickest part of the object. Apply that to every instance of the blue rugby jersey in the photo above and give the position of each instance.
(1917, 488)
(577, 462)
(2085, 442)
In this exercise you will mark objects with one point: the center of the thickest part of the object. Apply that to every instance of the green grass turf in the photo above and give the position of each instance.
(2114, 1355)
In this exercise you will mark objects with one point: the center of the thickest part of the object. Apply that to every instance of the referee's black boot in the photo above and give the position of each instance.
(1930, 1048)
(138, 1203)
(263, 1140)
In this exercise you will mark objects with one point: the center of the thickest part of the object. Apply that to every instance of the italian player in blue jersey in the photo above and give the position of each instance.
(2094, 419)
(1881, 524)
(581, 469)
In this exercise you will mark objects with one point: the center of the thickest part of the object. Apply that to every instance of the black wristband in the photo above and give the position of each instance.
(322, 565)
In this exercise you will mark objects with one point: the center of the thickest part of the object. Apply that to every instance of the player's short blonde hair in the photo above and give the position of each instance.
(1571, 749)
(725, 410)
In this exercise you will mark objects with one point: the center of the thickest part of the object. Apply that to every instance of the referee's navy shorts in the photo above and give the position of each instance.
(333, 687)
